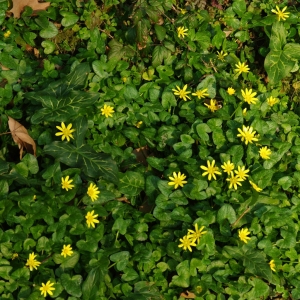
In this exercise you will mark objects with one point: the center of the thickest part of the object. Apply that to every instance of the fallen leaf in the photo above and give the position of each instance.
(188, 295)
(21, 137)
(18, 6)
(3, 68)
(142, 154)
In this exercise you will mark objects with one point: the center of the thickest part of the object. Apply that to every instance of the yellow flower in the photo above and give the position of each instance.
(234, 181)
(67, 250)
(247, 134)
(231, 91)
(7, 34)
(66, 132)
(272, 101)
(241, 68)
(201, 93)
(107, 111)
(213, 105)
(241, 172)
(228, 167)
(124, 79)
(243, 235)
(248, 96)
(177, 179)
(47, 288)
(31, 262)
(66, 183)
(182, 93)
(181, 31)
(211, 170)
(93, 192)
(91, 219)
(272, 265)
(182, 11)
(221, 55)
(280, 13)
(138, 124)
(195, 235)
(244, 112)
(265, 153)
(258, 189)
(187, 242)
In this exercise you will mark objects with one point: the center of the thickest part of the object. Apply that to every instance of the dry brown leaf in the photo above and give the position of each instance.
(21, 137)
(3, 68)
(18, 6)
(188, 295)
(142, 154)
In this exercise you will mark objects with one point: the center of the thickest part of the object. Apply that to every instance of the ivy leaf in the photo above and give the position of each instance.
(72, 285)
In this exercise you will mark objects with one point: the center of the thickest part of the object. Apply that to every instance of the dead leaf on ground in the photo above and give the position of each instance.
(142, 154)
(188, 295)
(21, 137)
(3, 68)
(19, 5)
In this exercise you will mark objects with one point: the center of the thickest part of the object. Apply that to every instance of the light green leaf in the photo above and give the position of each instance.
(292, 50)
(50, 32)
(69, 18)
(91, 284)
(49, 46)
(121, 258)
(129, 274)
(160, 32)
(278, 36)
(4, 272)
(226, 212)
(183, 277)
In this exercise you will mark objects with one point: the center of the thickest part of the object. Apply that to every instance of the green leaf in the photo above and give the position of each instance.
(4, 272)
(202, 130)
(72, 285)
(210, 84)
(50, 32)
(31, 163)
(92, 163)
(89, 246)
(131, 92)
(278, 36)
(168, 100)
(292, 50)
(183, 277)
(285, 182)
(131, 183)
(278, 65)
(260, 289)
(49, 46)
(255, 263)
(81, 126)
(159, 53)
(239, 6)
(160, 32)
(66, 262)
(90, 286)
(129, 274)
(121, 258)
(69, 18)
(226, 212)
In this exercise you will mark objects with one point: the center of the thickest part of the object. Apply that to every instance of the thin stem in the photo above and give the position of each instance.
(5, 133)
(241, 216)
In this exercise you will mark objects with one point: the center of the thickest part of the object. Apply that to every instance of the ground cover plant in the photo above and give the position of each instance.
(149, 149)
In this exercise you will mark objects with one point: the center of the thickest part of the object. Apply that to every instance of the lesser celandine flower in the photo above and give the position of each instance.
(248, 96)
(241, 172)
(258, 189)
(265, 152)
(32, 262)
(213, 106)
(182, 93)
(243, 235)
(272, 101)
(107, 111)
(234, 181)
(241, 68)
(66, 183)
(138, 124)
(221, 55)
(14, 256)
(231, 91)
(272, 265)
(66, 251)
(177, 180)
(91, 219)
(228, 167)
(281, 13)
(66, 132)
(197, 233)
(47, 288)
(247, 135)
(93, 192)
(181, 31)
(7, 34)
(211, 170)
(187, 242)
(201, 93)
(244, 112)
